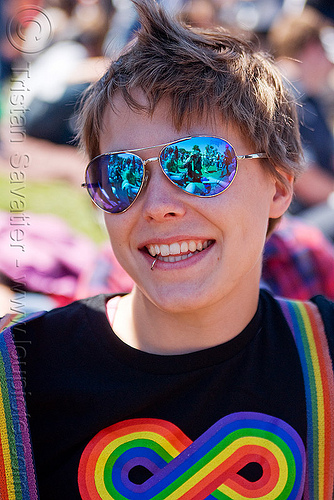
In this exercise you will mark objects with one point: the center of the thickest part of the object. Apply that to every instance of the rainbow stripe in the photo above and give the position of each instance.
(306, 324)
(206, 468)
(9, 320)
(17, 476)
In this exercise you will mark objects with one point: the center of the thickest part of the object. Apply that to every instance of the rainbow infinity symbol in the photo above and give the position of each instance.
(206, 468)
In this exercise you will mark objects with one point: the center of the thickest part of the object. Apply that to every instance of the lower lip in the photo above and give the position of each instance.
(193, 259)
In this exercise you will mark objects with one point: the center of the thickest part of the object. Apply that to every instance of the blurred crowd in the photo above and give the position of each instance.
(51, 50)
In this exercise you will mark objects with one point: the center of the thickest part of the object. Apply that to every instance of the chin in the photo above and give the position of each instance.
(178, 301)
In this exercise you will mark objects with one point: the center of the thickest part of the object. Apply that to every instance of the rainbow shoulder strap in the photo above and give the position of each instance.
(17, 471)
(307, 327)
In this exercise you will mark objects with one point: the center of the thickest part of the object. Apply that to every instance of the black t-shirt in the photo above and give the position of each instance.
(80, 379)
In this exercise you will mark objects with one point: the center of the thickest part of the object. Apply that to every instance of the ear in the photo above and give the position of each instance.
(282, 195)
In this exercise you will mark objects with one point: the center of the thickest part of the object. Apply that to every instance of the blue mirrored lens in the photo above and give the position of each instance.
(204, 166)
(114, 180)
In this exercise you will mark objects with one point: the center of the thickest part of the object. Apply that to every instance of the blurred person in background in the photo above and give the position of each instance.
(301, 42)
(64, 70)
(201, 13)
(326, 7)
(53, 80)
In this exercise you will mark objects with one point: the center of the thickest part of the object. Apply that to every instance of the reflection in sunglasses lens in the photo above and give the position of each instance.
(204, 166)
(114, 181)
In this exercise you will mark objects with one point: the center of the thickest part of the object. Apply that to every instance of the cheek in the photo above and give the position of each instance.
(246, 205)
(120, 229)
(244, 215)
(255, 217)
(117, 230)
(258, 190)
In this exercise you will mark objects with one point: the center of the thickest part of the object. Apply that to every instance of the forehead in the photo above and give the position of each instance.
(125, 128)
(122, 124)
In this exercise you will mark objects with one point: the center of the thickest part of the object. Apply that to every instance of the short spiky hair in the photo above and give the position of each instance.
(198, 71)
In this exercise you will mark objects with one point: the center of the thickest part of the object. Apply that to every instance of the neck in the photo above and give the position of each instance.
(144, 326)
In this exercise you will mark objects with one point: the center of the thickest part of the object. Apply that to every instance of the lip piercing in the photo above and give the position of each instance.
(153, 264)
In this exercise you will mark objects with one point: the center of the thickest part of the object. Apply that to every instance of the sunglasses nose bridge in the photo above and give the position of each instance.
(145, 180)
(145, 162)
(146, 172)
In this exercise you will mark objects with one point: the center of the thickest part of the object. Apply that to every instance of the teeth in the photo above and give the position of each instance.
(164, 250)
(192, 246)
(175, 258)
(177, 251)
(152, 251)
(184, 247)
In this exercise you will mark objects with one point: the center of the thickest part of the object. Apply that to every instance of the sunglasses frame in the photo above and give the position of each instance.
(157, 158)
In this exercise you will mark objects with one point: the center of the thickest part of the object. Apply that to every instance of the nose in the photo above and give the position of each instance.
(162, 200)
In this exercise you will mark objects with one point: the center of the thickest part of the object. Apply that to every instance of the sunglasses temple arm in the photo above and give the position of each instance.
(252, 156)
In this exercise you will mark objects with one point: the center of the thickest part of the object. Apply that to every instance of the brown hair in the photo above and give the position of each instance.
(197, 71)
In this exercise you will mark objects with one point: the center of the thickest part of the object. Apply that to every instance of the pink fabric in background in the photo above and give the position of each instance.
(105, 276)
(49, 256)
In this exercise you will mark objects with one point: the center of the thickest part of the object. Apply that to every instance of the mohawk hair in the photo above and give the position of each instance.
(197, 71)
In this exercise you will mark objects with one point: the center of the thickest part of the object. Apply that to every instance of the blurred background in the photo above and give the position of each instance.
(53, 245)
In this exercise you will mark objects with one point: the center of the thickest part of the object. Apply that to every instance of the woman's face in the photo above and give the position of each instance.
(209, 249)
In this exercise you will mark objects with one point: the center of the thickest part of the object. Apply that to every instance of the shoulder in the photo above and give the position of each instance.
(274, 313)
(82, 315)
(325, 306)
(50, 345)
(273, 306)
(326, 309)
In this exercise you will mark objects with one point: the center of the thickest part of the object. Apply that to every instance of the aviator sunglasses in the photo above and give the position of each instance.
(202, 166)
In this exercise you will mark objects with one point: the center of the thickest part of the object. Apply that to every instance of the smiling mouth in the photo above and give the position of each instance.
(177, 251)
